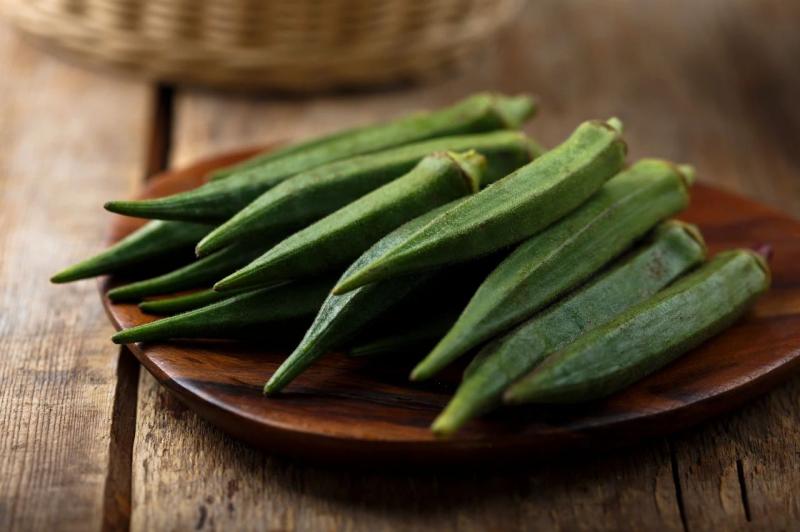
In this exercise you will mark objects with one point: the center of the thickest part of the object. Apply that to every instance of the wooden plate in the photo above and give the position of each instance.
(357, 410)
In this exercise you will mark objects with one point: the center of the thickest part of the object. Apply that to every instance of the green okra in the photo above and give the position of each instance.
(218, 200)
(649, 335)
(341, 317)
(477, 113)
(343, 235)
(201, 272)
(309, 196)
(674, 249)
(407, 338)
(508, 211)
(155, 240)
(236, 316)
(173, 305)
(567, 253)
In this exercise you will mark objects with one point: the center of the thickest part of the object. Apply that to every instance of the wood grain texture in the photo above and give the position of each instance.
(62, 154)
(712, 83)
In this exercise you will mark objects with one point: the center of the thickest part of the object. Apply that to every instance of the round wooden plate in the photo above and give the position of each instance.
(362, 410)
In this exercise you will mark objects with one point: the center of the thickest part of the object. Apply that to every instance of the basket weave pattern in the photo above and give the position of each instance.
(283, 44)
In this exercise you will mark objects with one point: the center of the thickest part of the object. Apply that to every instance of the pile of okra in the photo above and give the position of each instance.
(448, 234)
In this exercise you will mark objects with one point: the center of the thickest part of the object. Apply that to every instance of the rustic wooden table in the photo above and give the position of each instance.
(87, 440)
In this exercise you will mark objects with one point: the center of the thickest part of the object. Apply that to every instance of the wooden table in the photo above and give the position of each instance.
(89, 441)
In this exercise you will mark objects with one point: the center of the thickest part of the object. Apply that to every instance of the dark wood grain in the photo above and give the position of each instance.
(346, 409)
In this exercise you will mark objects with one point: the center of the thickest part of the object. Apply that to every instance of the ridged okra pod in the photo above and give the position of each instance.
(343, 235)
(175, 304)
(649, 335)
(474, 114)
(155, 240)
(564, 255)
(218, 200)
(410, 336)
(342, 316)
(237, 316)
(201, 272)
(309, 196)
(508, 211)
(674, 249)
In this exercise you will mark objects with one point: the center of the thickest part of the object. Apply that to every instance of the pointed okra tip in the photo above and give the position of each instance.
(435, 361)
(213, 241)
(91, 267)
(67, 275)
(515, 394)
(124, 337)
(352, 282)
(123, 294)
(269, 388)
(444, 425)
(138, 208)
(228, 283)
(277, 382)
(241, 278)
(119, 206)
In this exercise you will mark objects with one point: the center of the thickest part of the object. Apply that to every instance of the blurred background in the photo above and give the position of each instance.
(303, 45)
(692, 80)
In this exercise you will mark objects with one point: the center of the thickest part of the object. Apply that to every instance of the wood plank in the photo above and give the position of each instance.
(674, 72)
(70, 139)
(188, 473)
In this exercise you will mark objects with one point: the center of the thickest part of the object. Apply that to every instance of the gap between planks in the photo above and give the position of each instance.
(676, 482)
(117, 496)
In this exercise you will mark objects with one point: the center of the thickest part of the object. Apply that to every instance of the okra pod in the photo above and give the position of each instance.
(155, 240)
(673, 250)
(218, 200)
(235, 316)
(307, 197)
(474, 114)
(508, 211)
(341, 317)
(564, 255)
(649, 335)
(201, 272)
(410, 336)
(343, 235)
(175, 304)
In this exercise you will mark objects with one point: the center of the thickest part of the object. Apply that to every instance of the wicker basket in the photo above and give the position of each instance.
(282, 44)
